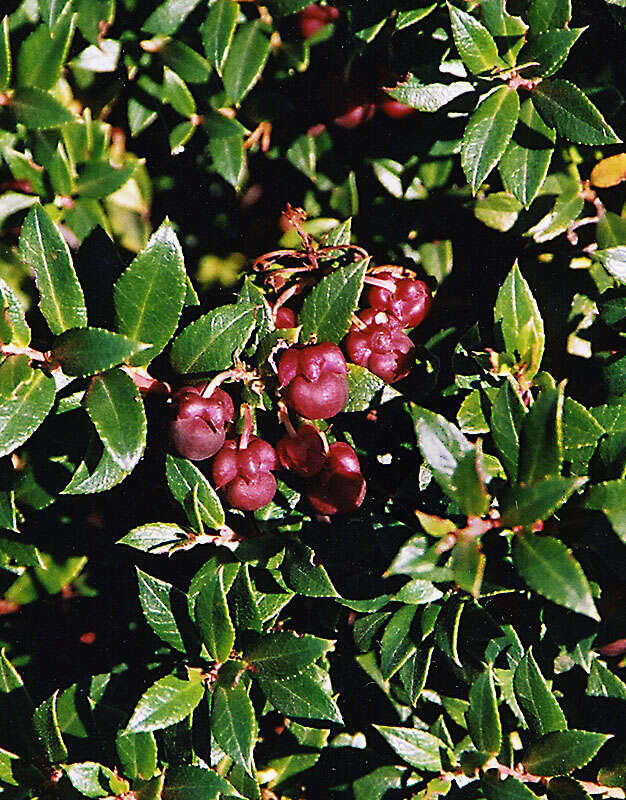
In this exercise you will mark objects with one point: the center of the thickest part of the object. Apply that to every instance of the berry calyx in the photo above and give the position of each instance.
(197, 430)
(303, 453)
(313, 18)
(314, 379)
(244, 473)
(339, 487)
(410, 302)
(285, 318)
(381, 345)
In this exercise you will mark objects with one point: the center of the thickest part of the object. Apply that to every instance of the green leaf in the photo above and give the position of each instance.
(245, 60)
(541, 439)
(86, 351)
(363, 386)
(39, 110)
(165, 610)
(468, 482)
(26, 397)
(43, 248)
(507, 414)
(418, 591)
(217, 32)
(581, 433)
(12, 202)
(91, 779)
(328, 309)
(5, 55)
(100, 58)
(60, 172)
(177, 94)
(566, 210)
(191, 783)
(443, 447)
(549, 49)
(475, 44)
(468, 564)
(428, 97)
(229, 159)
(43, 54)
(414, 672)
(303, 575)
(488, 134)
(546, 14)
(99, 179)
(46, 727)
(498, 210)
(210, 342)
(610, 498)
(566, 108)
(97, 472)
(508, 789)
(519, 323)
(541, 709)
(483, 719)
(137, 753)
(156, 537)
(565, 788)
(166, 702)
(284, 653)
(549, 568)
(418, 748)
(217, 126)
(185, 62)
(169, 16)
(213, 618)
(149, 294)
(524, 165)
(613, 259)
(243, 603)
(603, 682)
(366, 628)
(302, 695)
(560, 752)
(499, 21)
(116, 409)
(283, 8)
(396, 645)
(234, 725)
(182, 477)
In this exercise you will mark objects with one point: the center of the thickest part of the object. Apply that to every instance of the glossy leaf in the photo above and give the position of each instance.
(190, 783)
(488, 134)
(210, 342)
(328, 309)
(508, 789)
(233, 723)
(603, 682)
(566, 108)
(229, 159)
(165, 610)
(92, 779)
(47, 732)
(149, 294)
(610, 498)
(42, 55)
(541, 439)
(429, 97)
(546, 14)
(303, 575)
(86, 351)
(541, 709)
(475, 44)
(613, 259)
(550, 49)
(418, 748)
(39, 110)
(483, 719)
(246, 58)
(177, 94)
(100, 178)
(549, 568)
(301, 695)
(242, 603)
(284, 653)
(116, 409)
(213, 618)
(166, 702)
(182, 477)
(560, 752)
(169, 16)
(26, 397)
(43, 248)
(5, 55)
(156, 537)
(414, 673)
(396, 644)
(137, 753)
(217, 31)
(507, 414)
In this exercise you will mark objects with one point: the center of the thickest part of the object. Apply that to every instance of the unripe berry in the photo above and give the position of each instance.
(410, 302)
(382, 346)
(285, 318)
(245, 473)
(314, 377)
(339, 487)
(302, 453)
(313, 18)
(197, 430)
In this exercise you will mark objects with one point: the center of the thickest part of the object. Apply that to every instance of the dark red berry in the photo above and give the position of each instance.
(285, 318)
(382, 346)
(313, 18)
(355, 115)
(303, 453)
(410, 302)
(394, 109)
(197, 430)
(245, 473)
(339, 487)
(314, 377)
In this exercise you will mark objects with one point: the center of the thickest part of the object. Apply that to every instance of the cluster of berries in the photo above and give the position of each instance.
(313, 381)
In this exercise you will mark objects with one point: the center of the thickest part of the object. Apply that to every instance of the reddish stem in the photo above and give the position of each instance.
(283, 416)
(248, 427)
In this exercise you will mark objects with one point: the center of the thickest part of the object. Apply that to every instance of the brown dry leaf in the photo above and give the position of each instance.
(609, 172)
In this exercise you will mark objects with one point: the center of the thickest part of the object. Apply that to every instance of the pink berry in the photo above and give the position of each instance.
(339, 487)
(313, 18)
(197, 430)
(302, 453)
(285, 318)
(314, 378)
(410, 302)
(245, 473)
(382, 346)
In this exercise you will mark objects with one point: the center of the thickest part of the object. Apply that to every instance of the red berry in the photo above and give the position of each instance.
(313, 18)
(285, 318)
(197, 431)
(339, 487)
(394, 109)
(314, 377)
(355, 115)
(245, 473)
(410, 302)
(382, 346)
(302, 453)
